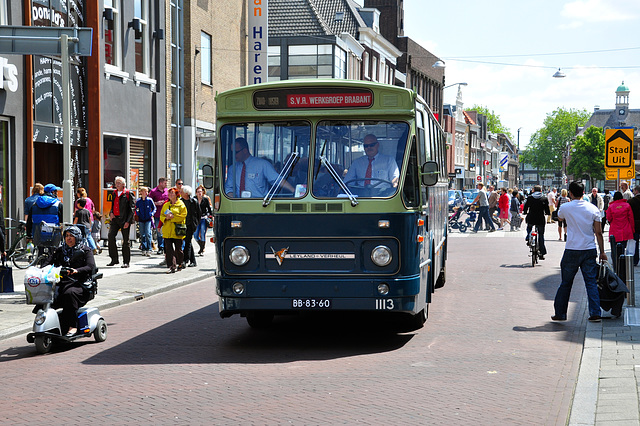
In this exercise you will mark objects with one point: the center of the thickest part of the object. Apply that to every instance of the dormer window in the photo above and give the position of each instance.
(339, 16)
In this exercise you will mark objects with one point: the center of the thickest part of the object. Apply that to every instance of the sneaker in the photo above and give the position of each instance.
(160, 251)
(595, 318)
(499, 229)
(125, 265)
(493, 230)
(148, 254)
(192, 264)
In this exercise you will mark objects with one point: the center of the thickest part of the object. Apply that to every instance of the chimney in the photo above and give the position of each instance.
(596, 108)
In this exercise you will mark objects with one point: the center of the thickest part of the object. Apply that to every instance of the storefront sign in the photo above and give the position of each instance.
(258, 36)
(8, 75)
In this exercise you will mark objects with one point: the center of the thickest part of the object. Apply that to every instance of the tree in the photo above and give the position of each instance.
(494, 125)
(587, 156)
(548, 146)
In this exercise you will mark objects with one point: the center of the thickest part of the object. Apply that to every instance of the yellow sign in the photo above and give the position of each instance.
(619, 148)
(618, 158)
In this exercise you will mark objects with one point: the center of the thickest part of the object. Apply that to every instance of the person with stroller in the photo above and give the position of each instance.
(75, 255)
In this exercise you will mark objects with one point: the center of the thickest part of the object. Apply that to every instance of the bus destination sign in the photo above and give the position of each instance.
(284, 99)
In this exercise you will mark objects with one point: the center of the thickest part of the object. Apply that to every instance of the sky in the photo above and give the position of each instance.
(542, 35)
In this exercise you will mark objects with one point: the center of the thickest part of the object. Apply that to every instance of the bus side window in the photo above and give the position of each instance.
(411, 187)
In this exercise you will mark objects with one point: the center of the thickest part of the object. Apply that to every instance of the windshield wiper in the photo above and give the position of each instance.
(338, 179)
(285, 172)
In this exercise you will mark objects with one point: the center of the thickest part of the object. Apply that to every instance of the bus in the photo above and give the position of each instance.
(329, 195)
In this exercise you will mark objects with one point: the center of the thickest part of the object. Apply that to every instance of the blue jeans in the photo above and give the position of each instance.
(483, 215)
(160, 239)
(145, 235)
(571, 261)
(201, 231)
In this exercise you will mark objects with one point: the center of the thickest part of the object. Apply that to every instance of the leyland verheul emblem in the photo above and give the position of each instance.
(280, 254)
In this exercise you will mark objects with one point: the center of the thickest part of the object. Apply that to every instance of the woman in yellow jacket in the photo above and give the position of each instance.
(173, 213)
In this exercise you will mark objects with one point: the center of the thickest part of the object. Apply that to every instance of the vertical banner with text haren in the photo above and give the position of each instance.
(258, 41)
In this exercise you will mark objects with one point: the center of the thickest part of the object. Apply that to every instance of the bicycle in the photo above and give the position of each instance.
(22, 253)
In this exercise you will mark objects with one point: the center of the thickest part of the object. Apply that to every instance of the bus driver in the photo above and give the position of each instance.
(250, 174)
(373, 165)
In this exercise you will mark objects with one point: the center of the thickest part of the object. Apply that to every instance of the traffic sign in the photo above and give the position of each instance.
(486, 162)
(619, 148)
(479, 178)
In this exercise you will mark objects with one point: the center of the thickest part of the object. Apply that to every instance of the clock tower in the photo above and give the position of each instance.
(622, 100)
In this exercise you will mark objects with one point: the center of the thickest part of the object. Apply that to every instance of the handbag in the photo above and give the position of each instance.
(209, 220)
(181, 229)
(554, 215)
(6, 279)
(607, 279)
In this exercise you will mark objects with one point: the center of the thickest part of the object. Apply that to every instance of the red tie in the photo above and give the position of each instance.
(242, 175)
(367, 175)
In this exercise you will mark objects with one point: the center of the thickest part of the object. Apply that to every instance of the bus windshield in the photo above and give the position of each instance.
(366, 155)
(263, 160)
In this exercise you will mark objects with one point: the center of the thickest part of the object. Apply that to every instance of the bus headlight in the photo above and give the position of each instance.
(383, 289)
(239, 255)
(238, 288)
(381, 255)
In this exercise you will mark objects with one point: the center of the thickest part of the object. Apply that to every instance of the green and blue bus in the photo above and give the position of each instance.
(329, 195)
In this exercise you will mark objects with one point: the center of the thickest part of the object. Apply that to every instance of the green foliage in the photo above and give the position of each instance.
(548, 145)
(587, 155)
(494, 125)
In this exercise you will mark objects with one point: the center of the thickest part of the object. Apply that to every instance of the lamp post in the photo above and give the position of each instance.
(454, 84)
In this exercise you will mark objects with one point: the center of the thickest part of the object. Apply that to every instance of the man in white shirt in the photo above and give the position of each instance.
(626, 192)
(373, 168)
(583, 224)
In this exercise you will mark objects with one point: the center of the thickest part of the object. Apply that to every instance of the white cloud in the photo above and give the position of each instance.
(582, 11)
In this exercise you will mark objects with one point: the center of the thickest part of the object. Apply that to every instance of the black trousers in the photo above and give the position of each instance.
(173, 252)
(189, 253)
(117, 225)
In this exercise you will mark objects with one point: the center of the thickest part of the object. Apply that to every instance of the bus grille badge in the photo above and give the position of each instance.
(280, 254)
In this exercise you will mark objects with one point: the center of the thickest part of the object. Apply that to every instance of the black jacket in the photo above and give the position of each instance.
(81, 260)
(535, 207)
(634, 202)
(193, 214)
(127, 206)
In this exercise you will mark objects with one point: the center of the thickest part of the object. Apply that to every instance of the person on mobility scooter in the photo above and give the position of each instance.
(77, 261)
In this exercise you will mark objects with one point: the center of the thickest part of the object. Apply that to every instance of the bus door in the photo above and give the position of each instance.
(425, 203)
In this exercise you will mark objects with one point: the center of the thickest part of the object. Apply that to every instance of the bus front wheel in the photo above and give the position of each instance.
(259, 319)
(417, 321)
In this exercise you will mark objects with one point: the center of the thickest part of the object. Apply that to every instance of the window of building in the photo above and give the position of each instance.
(112, 34)
(141, 11)
(275, 67)
(340, 70)
(4, 15)
(115, 159)
(365, 64)
(140, 162)
(310, 61)
(374, 68)
(205, 58)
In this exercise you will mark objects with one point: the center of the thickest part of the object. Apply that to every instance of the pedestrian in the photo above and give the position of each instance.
(596, 200)
(121, 215)
(583, 223)
(514, 209)
(96, 227)
(145, 211)
(634, 203)
(503, 203)
(82, 193)
(626, 192)
(205, 216)
(29, 202)
(621, 222)
(536, 207)
(551, 198)
(173, 216)
(483, 202)
(159, 197)
(493, 202)
(192, 221)
(48, 209)
(82, 218)
(563, 198)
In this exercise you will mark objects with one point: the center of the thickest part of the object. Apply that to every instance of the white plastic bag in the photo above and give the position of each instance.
(38, 284)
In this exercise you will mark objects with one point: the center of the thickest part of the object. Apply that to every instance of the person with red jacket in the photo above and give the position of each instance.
(621, 222)
(121, 215)
(503, 202)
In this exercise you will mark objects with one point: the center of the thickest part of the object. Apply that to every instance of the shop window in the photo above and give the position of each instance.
(205, 58)
(141, 11)
(4, 15)
(115, 159)
(112, 34)
(140, 162)
(310, 61)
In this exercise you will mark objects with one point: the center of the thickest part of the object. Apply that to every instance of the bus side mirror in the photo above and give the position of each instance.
(207, 176)
(430, 172)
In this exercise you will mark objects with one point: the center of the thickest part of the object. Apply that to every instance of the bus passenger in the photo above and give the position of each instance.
(373, 165)
(253, 174)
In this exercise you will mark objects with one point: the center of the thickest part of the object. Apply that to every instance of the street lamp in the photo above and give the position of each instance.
(454, 84)
(559, 74)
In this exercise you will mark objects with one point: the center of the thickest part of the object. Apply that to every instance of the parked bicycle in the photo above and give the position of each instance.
(21, 252)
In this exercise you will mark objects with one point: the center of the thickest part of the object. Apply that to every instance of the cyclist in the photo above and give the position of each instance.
(536, 207)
